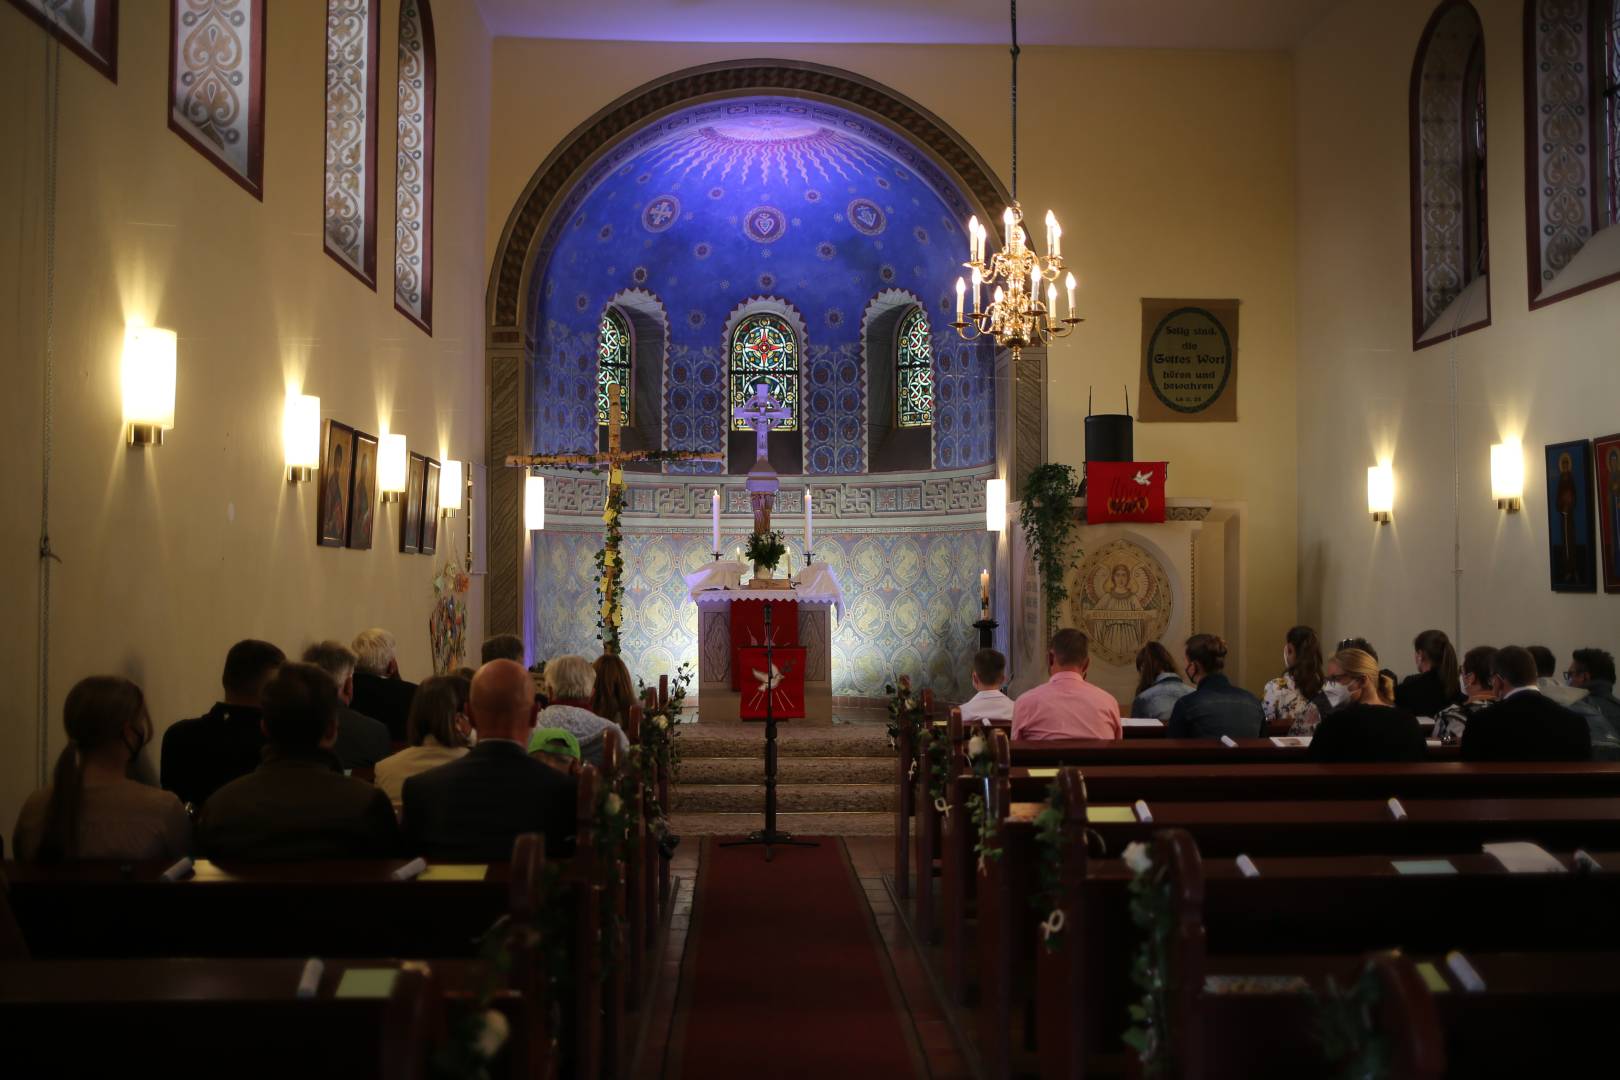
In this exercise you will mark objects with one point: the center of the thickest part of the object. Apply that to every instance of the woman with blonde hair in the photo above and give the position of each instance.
(92, 809)
(1364, 724)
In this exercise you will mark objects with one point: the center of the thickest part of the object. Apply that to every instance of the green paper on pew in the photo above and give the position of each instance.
(1423, 866)
(1432, 978)
(1043, 774)
(455, 872)
(367, 982)
(1110, 814)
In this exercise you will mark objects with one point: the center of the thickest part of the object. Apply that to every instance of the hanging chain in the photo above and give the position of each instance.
(53, 91)
(1014, 51)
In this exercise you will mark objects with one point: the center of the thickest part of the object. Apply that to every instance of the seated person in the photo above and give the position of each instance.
(296, 804)
(202, 755)
(1215, 707)
(1476, 684)
(502, 647)
(1289, 695)
(1066, 706)
(1363, 725)
(361, 741)
(92, 809)
(612, 694)
(1591, 672)
(989, 703)
(1524, 724)
(1158, 683)
(1562, 691)
(1436, 684)
(557, 748)
(473, 808)
(379, 692)
(570, 681)
(440, 732)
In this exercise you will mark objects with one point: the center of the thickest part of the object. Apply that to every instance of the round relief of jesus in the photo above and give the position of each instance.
(1123, 601)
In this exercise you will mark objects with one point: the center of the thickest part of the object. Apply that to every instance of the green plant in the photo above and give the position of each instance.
(1149, 1033)
(609, 556)
(1347, 1027)
(766, 549)
(1046, 515)
(660, 728)
(903, 709)
(1049, 841)
(982, 765)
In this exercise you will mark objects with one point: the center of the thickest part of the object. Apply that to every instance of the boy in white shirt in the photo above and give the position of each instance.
(989, 672)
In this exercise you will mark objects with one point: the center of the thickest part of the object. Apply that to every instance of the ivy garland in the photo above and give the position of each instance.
(660, 729)
(1149, 1033)
(982, 765)
(939, 772)
(1048, 898)
(1046, 515)
(610, 572)
(1347, 1027)
(613, 840)
(903, 709)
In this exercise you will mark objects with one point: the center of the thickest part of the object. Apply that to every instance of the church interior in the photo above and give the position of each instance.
(736, 540)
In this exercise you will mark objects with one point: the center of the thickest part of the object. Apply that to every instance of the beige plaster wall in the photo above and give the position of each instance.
(1173, 176)
(1364, 395)
(169, 555)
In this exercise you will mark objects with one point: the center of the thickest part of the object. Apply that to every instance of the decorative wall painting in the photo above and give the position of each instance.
(337, 474)
(1569, 517)
(430, 509)
(88, 27)
(410, 520)
(216, 84)
(363, 492)
(1606, 451)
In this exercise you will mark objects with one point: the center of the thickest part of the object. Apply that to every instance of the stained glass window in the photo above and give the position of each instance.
(612, 365)
(914, 363)
(764, 349)
(1611, 106)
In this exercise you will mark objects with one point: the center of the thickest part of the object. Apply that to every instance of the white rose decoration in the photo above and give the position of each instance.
(1137, 858)
(976, 746)
(613, 804)
(662, 722)
(493, 1037)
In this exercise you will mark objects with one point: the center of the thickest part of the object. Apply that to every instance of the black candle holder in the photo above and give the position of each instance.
(987, 630)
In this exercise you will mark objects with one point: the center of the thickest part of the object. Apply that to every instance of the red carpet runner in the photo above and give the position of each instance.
(783, 973)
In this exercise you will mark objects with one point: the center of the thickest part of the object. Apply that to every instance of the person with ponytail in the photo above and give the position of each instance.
(92, 809)
(1437, 683)
(1363, 724)
(1289, 694)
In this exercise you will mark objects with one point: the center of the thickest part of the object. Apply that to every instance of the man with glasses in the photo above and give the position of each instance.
(1592, 671)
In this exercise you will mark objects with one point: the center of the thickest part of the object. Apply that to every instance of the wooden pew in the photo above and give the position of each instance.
(1320, 904)
(907, 748)
(636, 871)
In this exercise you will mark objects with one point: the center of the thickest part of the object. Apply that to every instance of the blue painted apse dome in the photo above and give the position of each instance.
(709, 214)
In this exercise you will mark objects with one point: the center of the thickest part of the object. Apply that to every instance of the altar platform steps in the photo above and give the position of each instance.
(690, 826)
(799, 798)
(790, 769)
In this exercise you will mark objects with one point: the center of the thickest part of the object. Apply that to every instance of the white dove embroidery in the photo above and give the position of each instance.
(770, 682)
(1144, 478)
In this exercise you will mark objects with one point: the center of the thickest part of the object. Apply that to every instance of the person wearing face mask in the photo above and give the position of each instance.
(92, 809)
(1591, 674)
(1215, 707)
(1476, 685)
(1524, 725)
(1363, 725)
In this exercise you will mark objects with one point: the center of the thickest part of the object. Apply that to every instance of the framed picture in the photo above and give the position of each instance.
(337, 474)
(430, 509)
(1569, 517)
(88, 27)
(410, 519)
(1606, 451)
(363, 492)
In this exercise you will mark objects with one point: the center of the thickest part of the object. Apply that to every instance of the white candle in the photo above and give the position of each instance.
(984, 589)
(1051, 302)
(973, 239)
(1035, 283)
(1051, 233)
(1068, 283)
(978, 279)
(961, 289)
(1007, 220)
(1057, 241)
(809, 519)
(715, 512)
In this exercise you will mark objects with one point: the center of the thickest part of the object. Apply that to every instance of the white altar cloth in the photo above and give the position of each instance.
(721, 582)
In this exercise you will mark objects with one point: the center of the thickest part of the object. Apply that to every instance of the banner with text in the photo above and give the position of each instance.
(1189, 360)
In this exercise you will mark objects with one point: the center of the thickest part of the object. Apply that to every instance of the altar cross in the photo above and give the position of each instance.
(758, 412)
(614, 457)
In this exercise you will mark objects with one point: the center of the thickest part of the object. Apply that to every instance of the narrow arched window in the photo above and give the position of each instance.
(765, 349)
(1450, 288)
(413, 169)
(1611, 106)
(914, 372)
(614, 347)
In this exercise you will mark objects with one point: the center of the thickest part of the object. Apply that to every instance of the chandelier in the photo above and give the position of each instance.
(1023, 308)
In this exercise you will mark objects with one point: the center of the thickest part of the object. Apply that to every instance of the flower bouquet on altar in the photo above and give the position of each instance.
(765, 550)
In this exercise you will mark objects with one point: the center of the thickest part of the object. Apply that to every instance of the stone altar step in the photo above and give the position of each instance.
(797, 798)
(748, 741)
(790, 769)
(690, 826)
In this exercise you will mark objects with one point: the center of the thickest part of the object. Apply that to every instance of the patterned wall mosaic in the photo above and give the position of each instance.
(216, 96)
(758, 197)
(351, 135)
(911, 599)
(1442, 225)
(413, 174)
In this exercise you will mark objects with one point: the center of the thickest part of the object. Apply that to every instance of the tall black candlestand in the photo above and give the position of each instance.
(769, 836)
(987, 632)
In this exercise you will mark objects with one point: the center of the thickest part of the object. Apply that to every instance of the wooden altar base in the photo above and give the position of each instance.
(720, 703)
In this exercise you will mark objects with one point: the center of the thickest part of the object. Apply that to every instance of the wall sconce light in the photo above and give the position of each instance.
(995, 505)
(1381, 492)
(392, 463)
(1507, 476)
(450, 486)
(148, 375)
(534, 502)
(301, 437)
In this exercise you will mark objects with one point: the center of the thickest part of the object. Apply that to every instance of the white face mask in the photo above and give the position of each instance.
(1336, 694)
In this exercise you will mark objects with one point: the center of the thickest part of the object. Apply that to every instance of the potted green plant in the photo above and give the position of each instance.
(765, 551)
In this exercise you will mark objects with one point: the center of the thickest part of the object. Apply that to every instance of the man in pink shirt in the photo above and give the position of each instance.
(1066, 706)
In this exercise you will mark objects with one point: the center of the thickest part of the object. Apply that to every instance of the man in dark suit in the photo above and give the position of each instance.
(203, 754)
(361, 741)
(471, 809)
(296, 804)
(379, 692)
(1524, 725)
